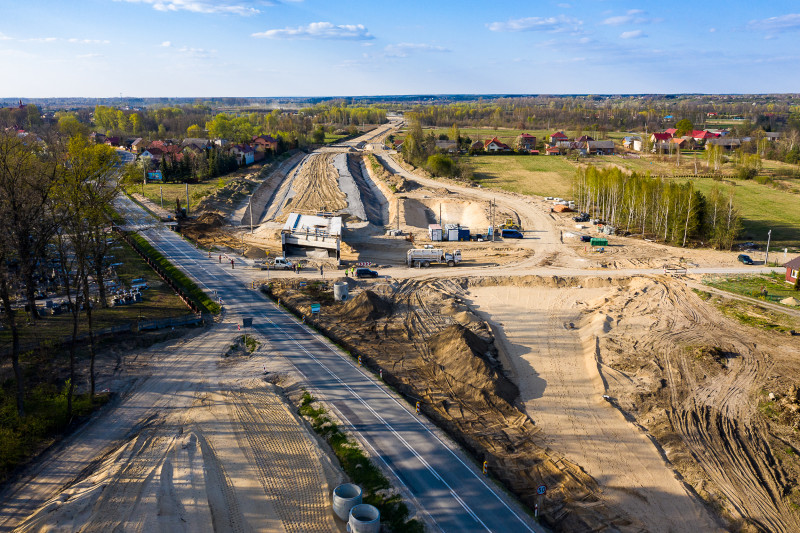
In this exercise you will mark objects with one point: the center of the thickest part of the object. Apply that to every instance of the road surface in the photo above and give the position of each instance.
(448, 488)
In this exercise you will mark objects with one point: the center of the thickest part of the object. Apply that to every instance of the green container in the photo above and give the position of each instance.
(598, 242)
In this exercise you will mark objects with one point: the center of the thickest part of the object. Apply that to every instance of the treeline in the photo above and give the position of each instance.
(54, 201)
(599, 114)
(192, 168)
(663, 210)
(420, 150)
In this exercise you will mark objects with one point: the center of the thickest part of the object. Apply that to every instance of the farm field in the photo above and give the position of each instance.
(525, 174)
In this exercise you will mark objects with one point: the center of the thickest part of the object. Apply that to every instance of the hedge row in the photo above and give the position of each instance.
(180, 282)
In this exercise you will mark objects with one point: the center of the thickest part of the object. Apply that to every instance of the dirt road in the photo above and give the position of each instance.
(197, 445)
(554, 363)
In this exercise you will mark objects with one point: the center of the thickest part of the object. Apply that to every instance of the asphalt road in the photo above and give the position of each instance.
(449, 489)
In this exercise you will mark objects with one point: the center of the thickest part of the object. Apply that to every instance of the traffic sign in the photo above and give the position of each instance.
(315, 308)
(541, 489)
(247, 322)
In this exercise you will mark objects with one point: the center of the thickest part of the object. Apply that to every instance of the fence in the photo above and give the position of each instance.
(185, 320)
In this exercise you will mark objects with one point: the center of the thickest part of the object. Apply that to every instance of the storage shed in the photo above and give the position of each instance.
(435, 232)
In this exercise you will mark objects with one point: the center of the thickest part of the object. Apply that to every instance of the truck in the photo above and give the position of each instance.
(425, 257)
(277, 264)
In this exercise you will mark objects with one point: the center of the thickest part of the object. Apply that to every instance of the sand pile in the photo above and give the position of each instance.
(462, 358)
(366, 306)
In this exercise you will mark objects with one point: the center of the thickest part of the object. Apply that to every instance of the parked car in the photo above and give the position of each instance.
(366, 273)
(280, 262)
(744, 258)
(586, 238)
(511, 234)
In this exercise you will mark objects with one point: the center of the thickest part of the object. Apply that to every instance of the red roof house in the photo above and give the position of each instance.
(660, 137)
(671, 131)
(494, 145)
(558, 136)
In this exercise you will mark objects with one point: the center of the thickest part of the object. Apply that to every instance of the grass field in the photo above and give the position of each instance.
(159, 301)
(764, 208)
(170, 191)
(525, 174)
(509, 135)
(775, 285)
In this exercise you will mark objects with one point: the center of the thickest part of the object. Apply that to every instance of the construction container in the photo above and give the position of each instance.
(435, 232)
(596, 241)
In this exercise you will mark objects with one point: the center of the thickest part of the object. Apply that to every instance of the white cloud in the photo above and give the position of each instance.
(635, 34)
(633, 16)
(564, 6)
(89, 41)
(166, 44)
(548, 24)
(88, 56)
(4, 37)
(199, 6)
(781, 24)
(40, 40)
(320, 30)
(712, 30)
(404, 49)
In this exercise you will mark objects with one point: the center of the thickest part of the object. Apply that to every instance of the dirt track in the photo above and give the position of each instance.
(193, 448)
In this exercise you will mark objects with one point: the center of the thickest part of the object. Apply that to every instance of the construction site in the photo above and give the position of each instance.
(622, 388)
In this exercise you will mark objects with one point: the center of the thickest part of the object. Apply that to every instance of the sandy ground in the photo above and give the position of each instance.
(554, 365)
(202, 443)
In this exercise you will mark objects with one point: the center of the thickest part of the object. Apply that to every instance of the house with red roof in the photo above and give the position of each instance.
(702, 136)
(662, 137)
(244, 153)
(526, 142)
(671, 131)
(494, 145)
(552, 150)
(558, 136)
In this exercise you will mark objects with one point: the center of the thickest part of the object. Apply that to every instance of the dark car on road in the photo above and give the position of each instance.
(511, 234)
(744, 258)
(366, 273)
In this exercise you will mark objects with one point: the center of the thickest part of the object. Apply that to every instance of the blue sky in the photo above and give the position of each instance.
(101, 48)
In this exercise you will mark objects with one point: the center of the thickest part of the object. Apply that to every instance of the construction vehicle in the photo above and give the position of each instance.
(425, 257)
(510, 224)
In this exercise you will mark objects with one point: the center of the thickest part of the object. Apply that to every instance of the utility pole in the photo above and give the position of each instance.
(766, 256)
(187, 199)
(250, 204)
(161, 193)
(398, 214)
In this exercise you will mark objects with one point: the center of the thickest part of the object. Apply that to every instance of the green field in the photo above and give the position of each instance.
(764, 208)
(775, 285)
(526, 174)
(509, 135)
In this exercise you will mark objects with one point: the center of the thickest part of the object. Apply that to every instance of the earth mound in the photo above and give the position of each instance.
(366, 306)
(463, 358)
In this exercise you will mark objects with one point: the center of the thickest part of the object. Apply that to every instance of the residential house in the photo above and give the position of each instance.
(662, 147)
(662, 137)
(552, 150)
(671, 131)
(494, 145)
(196, 144)
(112, 141)
(526, 142)
(726, 143)
(600, 147)
(679, 142)
(477, 146)
(558, 136)
(450, 147)
(701, 136)
(629, 143)
(138, 145)
(584, 139)
(773, 135)
(244, 153)
(97, 138)
(792, 269)
(262, 143)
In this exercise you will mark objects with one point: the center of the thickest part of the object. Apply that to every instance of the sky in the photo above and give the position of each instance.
(263, 48)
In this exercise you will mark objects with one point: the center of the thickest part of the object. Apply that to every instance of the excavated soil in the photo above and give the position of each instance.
(432, 348)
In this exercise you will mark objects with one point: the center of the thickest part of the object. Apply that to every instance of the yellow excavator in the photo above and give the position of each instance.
(510, 224)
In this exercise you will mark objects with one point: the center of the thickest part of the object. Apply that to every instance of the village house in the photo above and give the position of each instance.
(558, 136)
(494, 145)
(244, 154)
(477, 146)
(792, 269)
(449, 147)
(526, 142)
(662, 137)
(600, 147)
(262, 143)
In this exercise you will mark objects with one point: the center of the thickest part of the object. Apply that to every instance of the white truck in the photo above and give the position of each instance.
(277, 264)
(425, 257)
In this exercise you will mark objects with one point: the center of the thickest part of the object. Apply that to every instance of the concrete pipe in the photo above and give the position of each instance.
(340, 291)
(364, 518)
(345, 497)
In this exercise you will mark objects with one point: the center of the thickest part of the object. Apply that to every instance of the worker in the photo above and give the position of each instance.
(321, 273)
(220, 258)
(232, 264)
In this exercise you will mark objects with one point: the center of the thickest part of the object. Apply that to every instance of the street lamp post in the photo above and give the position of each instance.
(766, 256)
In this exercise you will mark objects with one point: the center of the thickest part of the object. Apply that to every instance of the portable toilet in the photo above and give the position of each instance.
(435, 232)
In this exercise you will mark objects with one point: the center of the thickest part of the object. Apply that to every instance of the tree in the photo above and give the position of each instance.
(683, 126)
(27, 178)
(69, 125)
(194, 131)
(441, 165)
